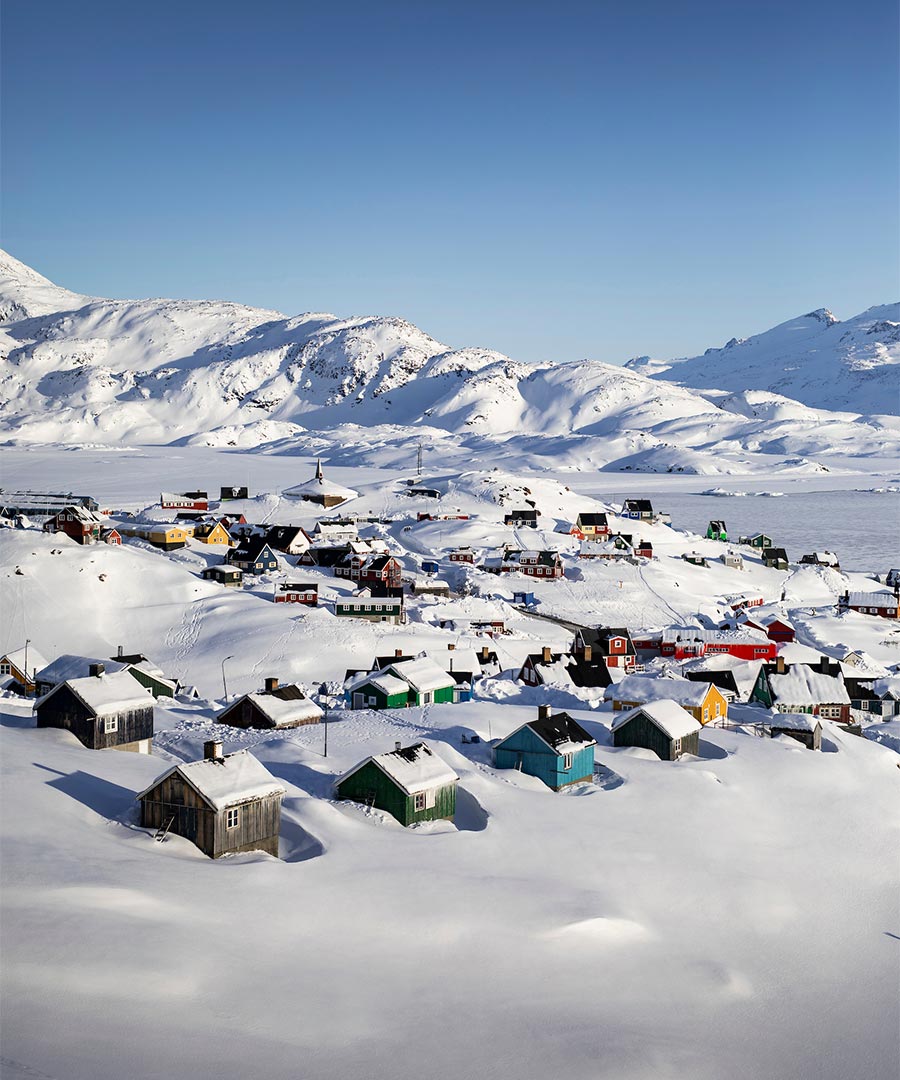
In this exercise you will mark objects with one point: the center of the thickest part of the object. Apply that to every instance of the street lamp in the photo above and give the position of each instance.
(224, 685)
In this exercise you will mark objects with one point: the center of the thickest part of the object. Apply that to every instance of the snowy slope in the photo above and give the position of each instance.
(75, 369)
(851, 366)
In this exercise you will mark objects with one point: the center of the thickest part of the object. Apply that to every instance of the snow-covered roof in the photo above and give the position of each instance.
(645, 688)
(889, 687)
(224, 782)
(802, 685)
(413, 768)
(422, 674)
(107, 694)
(457, 660)
(429, 584)
(71, 666)
(283, 713)
(668, 716)
(795, 721)
(744, 635)
(387, 684)
(18, 659)
(882, 598)
(320, 487)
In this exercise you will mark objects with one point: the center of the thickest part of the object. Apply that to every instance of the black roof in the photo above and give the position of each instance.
(295, 586)
(251, 547)
(775, 553)
(601, 637)
(724, 679)
(592, 519)
(289, 692)
(381, 588)
(329, 556)
(643, 505)
(528, 515)
(381, 662)
(283, 534)
(558, 729)
(593, 672)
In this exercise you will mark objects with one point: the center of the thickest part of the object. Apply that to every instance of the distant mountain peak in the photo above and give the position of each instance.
(822, 315)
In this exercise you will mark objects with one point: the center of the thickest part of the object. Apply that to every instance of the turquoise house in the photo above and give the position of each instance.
(555, 749)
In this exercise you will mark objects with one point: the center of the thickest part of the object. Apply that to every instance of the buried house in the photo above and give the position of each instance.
(554, 748)
(274, 707)
(410, 783)
(662, 726)
(224, 804)
(104, 712)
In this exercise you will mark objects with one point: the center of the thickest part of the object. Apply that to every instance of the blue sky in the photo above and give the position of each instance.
(555, 181)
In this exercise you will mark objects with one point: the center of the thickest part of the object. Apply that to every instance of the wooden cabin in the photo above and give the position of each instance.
(78, 523)
(554, 748)
(18, 669)
(274, 707)
(716, 530)
(804, 728)
(289, 539)
(733, 561)
(224, 804)
(590, 526)
(612, 643)
(803, 688)
(517, 518)
(411, 783)
(462, 555)
(662, 726)
(292, 592)
(213, 533)
(775, 558)
(702, 700)
(885, 603)
(254, 556)
(757, 540)
(111, 536)
(104, 712)
(225, 575)
(387, 609)
(637, 509)
(695, 558)
(424, 682)
(187, 500)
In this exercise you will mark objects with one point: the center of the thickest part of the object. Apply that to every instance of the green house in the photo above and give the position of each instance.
(716, 531)
(694, 558)
(410, 783)
(757, 540)
(378, 690)
(401, 684)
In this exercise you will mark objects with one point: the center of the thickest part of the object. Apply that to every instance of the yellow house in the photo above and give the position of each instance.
(704, 701)
(166, 537)
(213, 534)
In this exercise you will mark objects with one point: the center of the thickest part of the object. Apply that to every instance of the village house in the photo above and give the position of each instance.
(462, 555)
(879, 697)
(367, 568)
(425, 681)
(421, 492)
(254, 556)
(388, 609)
(589, 526)
(274, 707)
(288, 539)
(321, 491)
(226, 494)
(540, 564)
(111, 536)
(776, 627)
(892, 579)
(519, 518)
(19, 667)
(732, 560)
(821, 558)
(804, 728)
(187, 500)
(716, 530)
(704, 701)
(325, 557)
(694, 558)
(291, 592)
(40, 505)
(103, 711)
(885, 604)
(757, 540)
(78, 523)
(743, 601)
(568, 670)
(735, 678)
(688, 642)
(335, 532)
(162, 536)
(615, 549)
(410, 783)
(224, 804)
(213, 533)
(775, 558)
(430, 587)
(554, 748)
(71, 666)
(612, 643)
(637, 509)
(230, 576)
(147, 673)
(662, 726)
(801, 688)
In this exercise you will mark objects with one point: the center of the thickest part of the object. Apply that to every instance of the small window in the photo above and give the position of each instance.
(372, 700)
(567, 762)
(420, 801)
(862, 704)
(5, 669)
(233, 817)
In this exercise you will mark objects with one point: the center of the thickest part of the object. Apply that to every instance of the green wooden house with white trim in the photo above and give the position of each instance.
(716, 531)
(410, 783)
(402, 684)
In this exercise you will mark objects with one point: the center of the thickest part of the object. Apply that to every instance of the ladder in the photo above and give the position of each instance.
(163, 830)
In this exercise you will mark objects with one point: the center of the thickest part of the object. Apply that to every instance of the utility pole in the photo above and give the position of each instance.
(326, 732)
(27, 643)
(419, 460)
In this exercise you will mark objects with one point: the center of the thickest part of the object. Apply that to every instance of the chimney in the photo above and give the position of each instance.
(588, 652)
(398, 652)
(397, 745)
(212, 750)
(824, 665)
(779, 665)
(485, 653)
(121, 652)
(96, 670)
(546, 654)
(543, 712)
(451, 645)
(271, 684)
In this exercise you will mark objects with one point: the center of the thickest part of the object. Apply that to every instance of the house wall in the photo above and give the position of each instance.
(371, 786)
(641, 731)
(523, 750)
(64, 710)
(157, 688)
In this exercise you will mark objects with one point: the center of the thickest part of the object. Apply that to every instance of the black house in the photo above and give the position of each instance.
(227, 493)
(104, 712)
(522, 517)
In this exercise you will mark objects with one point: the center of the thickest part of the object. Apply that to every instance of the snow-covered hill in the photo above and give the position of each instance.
(817, 359)
(75, 369)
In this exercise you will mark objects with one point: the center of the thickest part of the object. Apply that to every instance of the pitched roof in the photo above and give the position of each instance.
(423, 674)
(794, 721)
(591, 519)
(16, 657)
(71, 666)
(388, 684)
(285, 706)
(560, 732)
(224, 782)
(666, 714)
(879, 598)
(646, 688)
(802, 685)
(641, 505)
(317, 486)
(413, 768)
(106, 694)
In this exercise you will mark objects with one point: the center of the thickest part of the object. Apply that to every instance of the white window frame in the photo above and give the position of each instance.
(864, 704)
(5, 669)
(567, 761)
(232, 817)
(110, 725)
(419, 801)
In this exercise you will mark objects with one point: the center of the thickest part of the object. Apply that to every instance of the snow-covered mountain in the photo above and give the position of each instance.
(817, 359)
(77, 369)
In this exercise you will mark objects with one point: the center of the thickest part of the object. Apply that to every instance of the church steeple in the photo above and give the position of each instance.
(319, 475)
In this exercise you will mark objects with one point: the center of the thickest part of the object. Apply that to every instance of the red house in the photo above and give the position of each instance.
(688, 642)
(463, 555)
(188, 500)
(78, 523)
(368, 569)
(614, 644)
(110, 536)
(292, 593)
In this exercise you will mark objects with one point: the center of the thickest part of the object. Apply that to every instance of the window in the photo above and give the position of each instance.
(567, 762)
(233, 817)
(862, 704)
(718, 708)
(5, 669)
(677, 746)
(419, 801)
(110, 725)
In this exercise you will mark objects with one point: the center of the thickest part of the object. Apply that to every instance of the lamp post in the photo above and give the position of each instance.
(224, 684)
(27, 643)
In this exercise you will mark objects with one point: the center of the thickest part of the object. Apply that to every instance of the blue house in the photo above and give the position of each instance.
(255, 557)
(555, 749)
(429, 566)
(523, 598)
